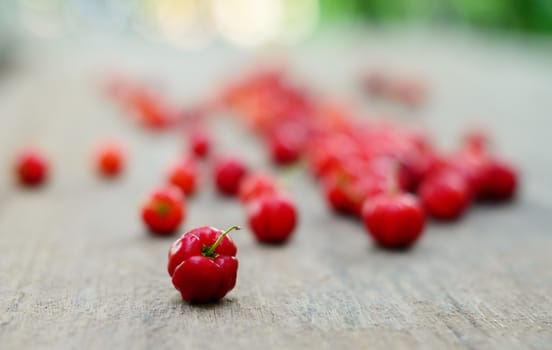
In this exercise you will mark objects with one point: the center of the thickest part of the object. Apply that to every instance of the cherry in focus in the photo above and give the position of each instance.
(203, 264)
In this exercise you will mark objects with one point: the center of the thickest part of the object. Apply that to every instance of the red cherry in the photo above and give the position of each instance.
(255, 185)
(472, 166)
(183, 175)
(272, 218)
(31, 167)
(203, 264)
(347, 194)
(445, 196)
(366, 187)
(164, 210)
(286, 144)
(229, 172)
(200, 143)
(354, 180)
(151, 111)
(337, 194)
(110, 160)
(501, 181)
(394, 220)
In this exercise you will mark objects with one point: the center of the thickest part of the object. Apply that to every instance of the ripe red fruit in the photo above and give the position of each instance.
(346, 194)
(286, 144)
(203, 264)
(183, 175)
(337, 194)
(472, 166)
(255, 185)
(151, 110)
(164, 210)
(394, 220)
(110, 160)
(200, 143)
(229, 172)
(31, 167)
(272, 218)
(501, 181)
(446, 195)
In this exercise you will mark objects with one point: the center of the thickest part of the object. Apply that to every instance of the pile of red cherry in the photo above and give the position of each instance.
(388, 175)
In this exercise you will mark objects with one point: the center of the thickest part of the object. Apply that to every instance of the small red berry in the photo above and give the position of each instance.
(200, 143)
(473, 166)
(255, 185)
(501, 181)
(394, 220)
(183, 175)
(110, 160)
(338, 195)
(228, 175)
(203, 264)
(31, 167)
(164, 210)
(272, 218)
(445, 196)
(151, 110)
(346, 194)
(286, 144)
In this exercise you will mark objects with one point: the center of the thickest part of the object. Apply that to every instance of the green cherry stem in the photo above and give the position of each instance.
(211, 250)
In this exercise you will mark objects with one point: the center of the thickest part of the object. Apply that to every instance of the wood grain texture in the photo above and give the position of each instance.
(77, 269)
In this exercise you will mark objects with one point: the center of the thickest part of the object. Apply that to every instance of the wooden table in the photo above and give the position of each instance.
(77, 269)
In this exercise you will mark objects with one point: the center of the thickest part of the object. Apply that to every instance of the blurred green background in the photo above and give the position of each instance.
(250, 23)
(533, 16)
